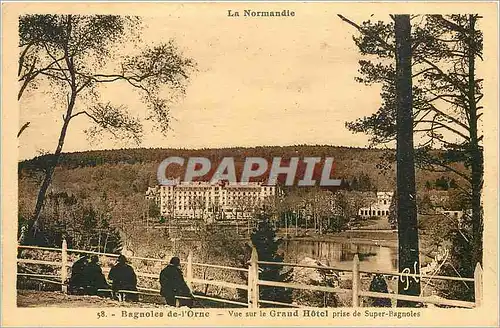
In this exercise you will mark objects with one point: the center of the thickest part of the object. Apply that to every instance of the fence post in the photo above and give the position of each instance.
(478, 285)
(189, 274)
(64, 265)
(250, 286)
(355, 281)
(253, 277)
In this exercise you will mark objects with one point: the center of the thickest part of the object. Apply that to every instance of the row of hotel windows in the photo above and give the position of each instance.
(374, 212)
(202, 198)
(229, 193)
(186, 205)
(197, 210)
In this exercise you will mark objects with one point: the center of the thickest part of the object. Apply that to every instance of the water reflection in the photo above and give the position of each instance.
(372, 257)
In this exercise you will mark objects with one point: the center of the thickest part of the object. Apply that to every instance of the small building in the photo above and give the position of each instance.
(153, 193)
(455, 215)
(380, 207)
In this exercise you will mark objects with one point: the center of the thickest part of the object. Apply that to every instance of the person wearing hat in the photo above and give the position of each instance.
(77, 281)
(379, 285)
(173, 284)
(124, 278)
(93, 277)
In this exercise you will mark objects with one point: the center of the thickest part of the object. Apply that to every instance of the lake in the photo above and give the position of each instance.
(340, 254)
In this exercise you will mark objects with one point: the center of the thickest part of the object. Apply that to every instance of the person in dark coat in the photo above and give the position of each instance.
(173, 284)
(379, 285)
(77, 281)
(124, 278)
(93, 277)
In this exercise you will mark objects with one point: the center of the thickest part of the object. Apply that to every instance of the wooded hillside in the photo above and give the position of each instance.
(118, 179)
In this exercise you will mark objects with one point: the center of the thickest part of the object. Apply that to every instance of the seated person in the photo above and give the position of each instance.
(379, 285)
(124, 278)
(173, 284)
(93, 276)
(77, 280)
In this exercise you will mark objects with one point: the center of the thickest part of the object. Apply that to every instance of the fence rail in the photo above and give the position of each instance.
(253, 282)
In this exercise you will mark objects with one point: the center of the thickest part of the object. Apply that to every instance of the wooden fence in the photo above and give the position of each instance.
(253, 283)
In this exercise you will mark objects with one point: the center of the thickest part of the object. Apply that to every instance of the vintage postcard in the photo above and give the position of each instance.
(250, 163)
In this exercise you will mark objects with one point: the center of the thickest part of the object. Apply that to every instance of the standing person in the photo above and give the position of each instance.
(93, 277)
(173, 284)
(124, 278)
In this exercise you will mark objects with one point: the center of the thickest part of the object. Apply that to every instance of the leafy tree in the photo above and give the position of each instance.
(365, 183)
(458, 200)
(424, 204)
(350, 202)
(82, 225)
(450, 233)
(362, 183)
(354, 184)
(428, 185)
(153, 209)
(393, 212)
(459, 264)
(267, 245)
(74, 55)
(216, 246)
(441, 183)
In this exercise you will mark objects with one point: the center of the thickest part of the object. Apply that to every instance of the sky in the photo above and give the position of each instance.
(260, 81)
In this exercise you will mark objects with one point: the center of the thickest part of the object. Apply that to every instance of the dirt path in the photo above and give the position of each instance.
(28, 298)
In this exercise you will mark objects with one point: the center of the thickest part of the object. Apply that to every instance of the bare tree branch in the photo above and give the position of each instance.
(382, 42)
(25, 125)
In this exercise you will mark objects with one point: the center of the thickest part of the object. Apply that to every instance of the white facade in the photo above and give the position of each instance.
(456, 215)
(208, 201)
(453, 214)
(380, 207)
(152, 194)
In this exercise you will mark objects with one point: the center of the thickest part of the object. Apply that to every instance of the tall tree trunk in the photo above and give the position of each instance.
(475, 151)
(54, 159)
(406, 195)
(49, 172)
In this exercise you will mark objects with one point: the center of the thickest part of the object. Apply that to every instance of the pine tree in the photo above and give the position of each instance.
(365, 183)
(267, 245)
(355, 184)
(447, 92)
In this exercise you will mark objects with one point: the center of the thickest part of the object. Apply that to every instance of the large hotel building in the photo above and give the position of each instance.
(204, 200)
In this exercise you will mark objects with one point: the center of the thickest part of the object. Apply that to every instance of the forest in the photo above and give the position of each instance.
(111, 184)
